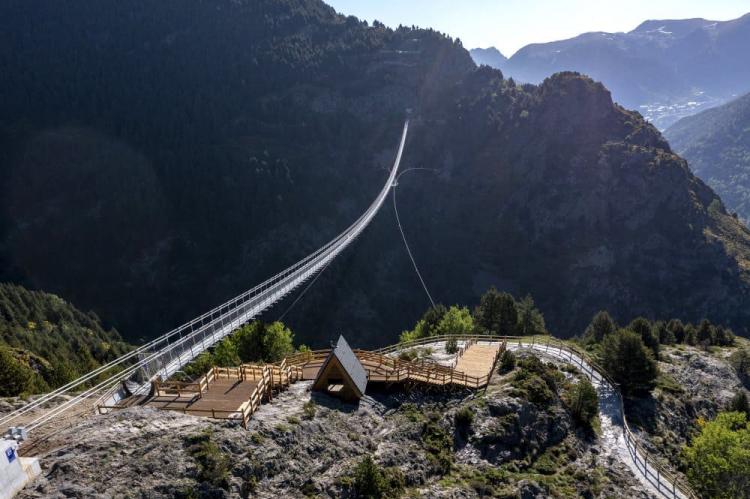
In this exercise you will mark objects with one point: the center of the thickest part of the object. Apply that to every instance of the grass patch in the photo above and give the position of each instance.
(668, 384)
(309, 410)
(213, 465)
(438, 444)
(294, 420)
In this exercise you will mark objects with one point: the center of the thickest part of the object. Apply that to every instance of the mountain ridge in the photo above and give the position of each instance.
(666, 74)
(716, 144)
(225, 174)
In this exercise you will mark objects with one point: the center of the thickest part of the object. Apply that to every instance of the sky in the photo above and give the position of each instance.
(511, 24)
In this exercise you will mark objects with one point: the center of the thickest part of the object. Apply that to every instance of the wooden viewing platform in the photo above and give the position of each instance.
(473, 369)
(236, 393)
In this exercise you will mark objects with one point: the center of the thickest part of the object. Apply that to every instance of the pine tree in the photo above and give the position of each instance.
(601, 325)
(629, 361)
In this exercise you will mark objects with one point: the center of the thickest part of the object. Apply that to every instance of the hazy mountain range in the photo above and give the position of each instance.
(666, 69)
(716, 144)
(155, 166)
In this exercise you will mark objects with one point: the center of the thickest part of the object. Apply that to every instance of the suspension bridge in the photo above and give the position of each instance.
(135, 373)
(160, 358)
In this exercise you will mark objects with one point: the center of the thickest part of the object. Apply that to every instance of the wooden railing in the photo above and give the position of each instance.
(392, 369)
(264, 389)
(666, 481)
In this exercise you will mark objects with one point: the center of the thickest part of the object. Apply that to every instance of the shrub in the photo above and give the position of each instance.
(583, 402)
(507, 361)
(309, 410)
(740, 361)
(718, 458)
(260, 342)
(408, 355)
(724, 337)
(213, 465)
(665, 335)
(451, 346)
(15, 376)
(642, 327)
(464, 418)
(373, 482)
(601, 325)
(456, 321)
(438, 444)
(739, 403)
(629, 362)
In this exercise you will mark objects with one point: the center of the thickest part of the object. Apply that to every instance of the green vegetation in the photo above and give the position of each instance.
(15, 376)
(716, 144)
(309, 409)
(642, 327)
(451, 345)
(463, 419)
(553, 469)
(497, 313)
(507, 362)
(718, 458)
(659, 333)
(213, 464)
(740, 361)
(536, 381)
(601, 325)
(438, 444)
(583, 402)
(256, 342)
(374, 482)
(45, 342)
(629, 362)
(530, 319)
(740, 403)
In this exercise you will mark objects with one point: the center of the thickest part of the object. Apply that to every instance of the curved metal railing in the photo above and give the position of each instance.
(666, 481)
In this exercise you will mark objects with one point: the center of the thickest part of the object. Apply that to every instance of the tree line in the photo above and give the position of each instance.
(46, 342)
(497, 313)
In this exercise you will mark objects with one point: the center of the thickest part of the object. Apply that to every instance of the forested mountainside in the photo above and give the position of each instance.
(171, 155)
(716, 144)
(46, 342)
(667, 69)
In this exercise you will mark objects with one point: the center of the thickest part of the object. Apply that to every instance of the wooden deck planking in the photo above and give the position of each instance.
(478, 359)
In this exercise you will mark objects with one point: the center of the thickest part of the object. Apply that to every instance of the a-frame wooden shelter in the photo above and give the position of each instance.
(342, 374)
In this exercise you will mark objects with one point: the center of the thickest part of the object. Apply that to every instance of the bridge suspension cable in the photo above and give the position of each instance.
(167, 354)
(403, 236)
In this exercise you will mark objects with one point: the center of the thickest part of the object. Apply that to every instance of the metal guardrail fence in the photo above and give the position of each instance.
(664, 480)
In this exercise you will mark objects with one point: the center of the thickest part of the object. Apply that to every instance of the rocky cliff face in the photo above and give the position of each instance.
(513, 447)
(198, 158)
(694, 384)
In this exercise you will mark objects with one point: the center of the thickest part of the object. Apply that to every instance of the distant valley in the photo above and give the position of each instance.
(665, 69)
